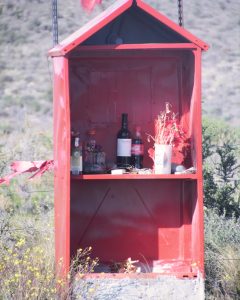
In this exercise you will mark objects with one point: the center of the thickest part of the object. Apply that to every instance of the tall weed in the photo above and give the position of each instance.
(222, 256)
(27, 268)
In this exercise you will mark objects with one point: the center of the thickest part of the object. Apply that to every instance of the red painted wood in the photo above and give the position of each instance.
(157, 218)
(110, 14)
(135, 176)
(170, 75)
(141, 219)
(200, 219)
(61, 164)
(139, 86)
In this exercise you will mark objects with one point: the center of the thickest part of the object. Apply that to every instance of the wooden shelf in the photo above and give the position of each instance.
(134, 176)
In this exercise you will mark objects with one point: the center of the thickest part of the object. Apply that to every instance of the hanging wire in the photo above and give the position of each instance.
(180, 13)
(54, 22)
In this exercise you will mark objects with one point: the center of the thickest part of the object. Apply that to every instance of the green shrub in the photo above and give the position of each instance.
(221, 168)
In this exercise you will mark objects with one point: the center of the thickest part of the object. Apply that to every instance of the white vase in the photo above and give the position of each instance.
(162, 159)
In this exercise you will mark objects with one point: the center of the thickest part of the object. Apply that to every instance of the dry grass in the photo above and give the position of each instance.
(222, 256)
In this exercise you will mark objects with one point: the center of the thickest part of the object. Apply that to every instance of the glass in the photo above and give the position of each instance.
(94, 157)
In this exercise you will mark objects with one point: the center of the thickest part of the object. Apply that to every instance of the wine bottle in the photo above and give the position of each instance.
(76, 155)
(124, 144)
(137, 150)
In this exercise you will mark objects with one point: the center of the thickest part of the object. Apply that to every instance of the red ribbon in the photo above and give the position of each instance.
(20, 167)
(89, 4)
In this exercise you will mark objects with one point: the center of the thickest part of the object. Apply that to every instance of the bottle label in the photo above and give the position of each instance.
(137, 149)
(124, 147)
(76, 142)
(76, 163)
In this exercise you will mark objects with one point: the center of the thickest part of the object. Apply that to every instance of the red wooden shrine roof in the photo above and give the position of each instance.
(109, 15)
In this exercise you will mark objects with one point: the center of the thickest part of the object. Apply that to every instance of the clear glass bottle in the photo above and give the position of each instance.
(94, 157)
(76, 154)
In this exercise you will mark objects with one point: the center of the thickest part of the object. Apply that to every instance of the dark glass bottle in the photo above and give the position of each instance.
(137, 149)
(124, 144)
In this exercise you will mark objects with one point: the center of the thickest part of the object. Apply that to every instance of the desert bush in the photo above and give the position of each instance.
(26, 250)
(222, 210)
(27, 269)
(26, 272)
(222, 256)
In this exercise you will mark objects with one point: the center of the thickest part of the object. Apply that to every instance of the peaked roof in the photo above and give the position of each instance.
(109, 15)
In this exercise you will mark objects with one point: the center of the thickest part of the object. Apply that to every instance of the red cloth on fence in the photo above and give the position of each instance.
(89, 4)
(20, 167)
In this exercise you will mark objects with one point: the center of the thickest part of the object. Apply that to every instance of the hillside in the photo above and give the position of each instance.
(25, 34)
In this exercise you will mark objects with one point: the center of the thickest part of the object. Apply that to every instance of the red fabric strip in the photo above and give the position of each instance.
(89, 4)
(20, 167)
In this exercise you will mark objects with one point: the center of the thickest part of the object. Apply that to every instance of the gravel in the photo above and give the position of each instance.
(160, 288)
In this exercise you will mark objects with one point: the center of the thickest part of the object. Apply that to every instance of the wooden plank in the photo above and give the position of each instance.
(175, 46)
(135, 176)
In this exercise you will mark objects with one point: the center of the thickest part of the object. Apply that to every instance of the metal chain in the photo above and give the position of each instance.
(180, 13)
(54, 22)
